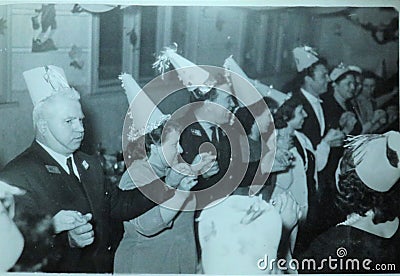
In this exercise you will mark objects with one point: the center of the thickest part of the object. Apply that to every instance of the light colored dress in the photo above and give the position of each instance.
(151, 245)
(294, 180)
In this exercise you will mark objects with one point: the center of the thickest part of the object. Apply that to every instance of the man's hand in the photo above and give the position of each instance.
(347, 122)
(211, 171)
(334, 138)
(202, 162)
(66, 220)
(82, 235)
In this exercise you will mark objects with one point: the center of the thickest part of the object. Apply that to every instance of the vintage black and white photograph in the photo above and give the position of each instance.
(199, 137)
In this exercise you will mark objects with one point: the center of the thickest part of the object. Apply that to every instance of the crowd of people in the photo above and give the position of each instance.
(247, 175)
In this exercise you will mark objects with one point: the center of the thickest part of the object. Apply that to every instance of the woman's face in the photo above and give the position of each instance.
(346, 87)
(170, 148)
(368, 87)
(298, 119)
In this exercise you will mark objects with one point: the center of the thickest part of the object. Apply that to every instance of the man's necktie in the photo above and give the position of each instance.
(71, 170)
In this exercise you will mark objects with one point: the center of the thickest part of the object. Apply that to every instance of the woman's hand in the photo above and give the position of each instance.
(283, 160)
(287, 206)
(187, 183)
(202, 162)
(177, 173)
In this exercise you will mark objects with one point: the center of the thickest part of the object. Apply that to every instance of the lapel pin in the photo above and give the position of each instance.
(85, 164)
(195, 132)
(53, 169)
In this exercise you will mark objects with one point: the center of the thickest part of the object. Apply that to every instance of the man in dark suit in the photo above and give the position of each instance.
(68, 185)
(208, 130)
(313, 80)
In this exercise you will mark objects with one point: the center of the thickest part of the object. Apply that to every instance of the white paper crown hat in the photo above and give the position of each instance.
(304, 57)
(43, 82)
(241, 87)
(232, 240)
(376, 157)
(191, 75)
(145, 115)
(342, 69)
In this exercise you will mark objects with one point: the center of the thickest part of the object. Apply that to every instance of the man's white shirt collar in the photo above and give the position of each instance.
(60, 159)
(207, 128)
(316, 106)
(310, 97)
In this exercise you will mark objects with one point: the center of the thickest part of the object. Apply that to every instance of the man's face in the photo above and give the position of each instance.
(346, 87)
(221, 114)
(368, 87)
(319, 81)
(63, 125)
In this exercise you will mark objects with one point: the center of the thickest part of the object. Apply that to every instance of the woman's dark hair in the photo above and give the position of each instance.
(355, 197)
(286, 112)
(245, 117)
(369, 75)
(140, 148)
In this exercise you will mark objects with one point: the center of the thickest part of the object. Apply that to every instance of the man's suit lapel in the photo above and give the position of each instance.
(49, 163)
(197, 129)
(311, 125)
(88, 187)
(63, 177)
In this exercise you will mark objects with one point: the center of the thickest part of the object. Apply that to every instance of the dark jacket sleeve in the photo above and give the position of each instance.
(129, 204)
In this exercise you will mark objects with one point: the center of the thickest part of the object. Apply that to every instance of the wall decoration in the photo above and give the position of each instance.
(75, 55)
(133, 38)
(382, 33)
(78, 8)
(43, 41)
(3, 25)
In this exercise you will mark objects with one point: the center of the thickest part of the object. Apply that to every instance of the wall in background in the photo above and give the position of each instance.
(339, 40)
(260, 40)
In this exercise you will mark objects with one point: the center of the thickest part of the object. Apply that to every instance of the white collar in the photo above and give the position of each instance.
(58, 157)
(310, 97)
(207, 128)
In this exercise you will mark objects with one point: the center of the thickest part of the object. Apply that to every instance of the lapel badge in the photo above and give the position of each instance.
(53, 169)
(85, 164)
(195, 132)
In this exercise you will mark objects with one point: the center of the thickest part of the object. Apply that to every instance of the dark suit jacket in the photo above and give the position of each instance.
(228, 151)
(50, 189)
(311, 127)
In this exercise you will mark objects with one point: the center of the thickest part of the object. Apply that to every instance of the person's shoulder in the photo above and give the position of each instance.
(26, 158)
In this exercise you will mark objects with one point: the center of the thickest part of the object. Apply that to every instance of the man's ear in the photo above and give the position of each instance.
(308, 78)
(42, 126)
